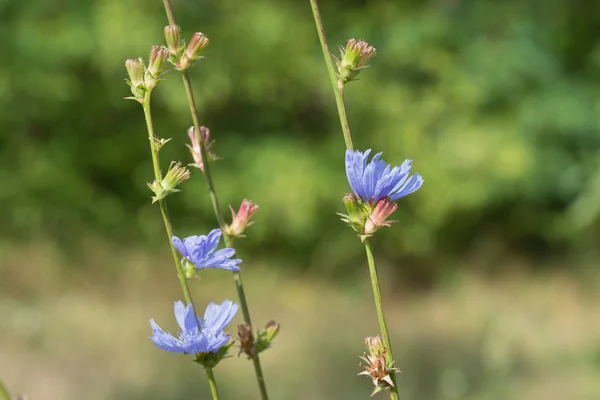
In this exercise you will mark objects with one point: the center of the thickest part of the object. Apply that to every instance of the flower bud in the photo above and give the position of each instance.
(377, 367)
(173, 38)
(135, 70)
(168, 185)
(156, 65)
(356, 212)
(378, 218)
(195, 147)
(193, 50)
(266, 336)
(188, 268)
(271, 330)
(354, 57)
(240, 221)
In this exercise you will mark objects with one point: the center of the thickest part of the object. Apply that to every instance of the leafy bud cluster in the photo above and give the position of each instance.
(180, 55)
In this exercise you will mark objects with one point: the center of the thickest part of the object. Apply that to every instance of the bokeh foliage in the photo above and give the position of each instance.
(496, 102)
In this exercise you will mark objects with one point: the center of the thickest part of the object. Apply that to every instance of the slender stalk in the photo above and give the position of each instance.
(162, 202)
(380, 314)
(212, 383)
(4, 392)
(338, 90)
(237, 278)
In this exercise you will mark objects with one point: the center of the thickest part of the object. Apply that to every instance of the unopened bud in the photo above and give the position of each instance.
(189, 268)
(378, 218)
(354, 57)
(356, 212)
(266, 336)
(241, 220)
(193, 50)
(271, 330)
(135, 70)
(195, 147)
(173, 38)
(156, 65)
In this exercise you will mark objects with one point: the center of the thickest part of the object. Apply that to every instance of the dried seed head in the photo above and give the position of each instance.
(376, 366)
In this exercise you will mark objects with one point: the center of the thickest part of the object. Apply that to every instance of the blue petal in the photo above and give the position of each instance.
(355, 165)
(162, 339)
(213, 239)
(180, 313)
(216, 341)
(413, 183)
(216, 317)
(179, 246)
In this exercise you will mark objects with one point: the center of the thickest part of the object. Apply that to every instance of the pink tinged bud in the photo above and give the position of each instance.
(240, 221)
(354, 57)
(378, 218)
(195, 147)
(156, 65)
(135, 70)
(193, 50)
(173, 38)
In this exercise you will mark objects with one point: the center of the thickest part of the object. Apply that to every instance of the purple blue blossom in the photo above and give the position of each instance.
(197, 335)
(202, 251)
(375, 180)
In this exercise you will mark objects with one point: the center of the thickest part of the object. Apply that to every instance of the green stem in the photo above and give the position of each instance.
(216, 206)
(380, 314)
(338, 90)
(4, 392)
(162, 202)
(212, 384)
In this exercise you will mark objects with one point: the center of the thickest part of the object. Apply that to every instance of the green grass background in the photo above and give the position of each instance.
(490, 277)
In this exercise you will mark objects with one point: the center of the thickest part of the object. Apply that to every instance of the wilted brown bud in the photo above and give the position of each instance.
(246, 340)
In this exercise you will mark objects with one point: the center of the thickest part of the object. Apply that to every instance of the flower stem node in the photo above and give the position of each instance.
(193, 50)
(158, 143)
(168, 185)
(156, 66)
(135, 70)
(241, 220)
(376, 366)
(353, 59)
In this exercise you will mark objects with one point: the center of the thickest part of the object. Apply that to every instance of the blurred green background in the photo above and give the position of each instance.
(490, 277)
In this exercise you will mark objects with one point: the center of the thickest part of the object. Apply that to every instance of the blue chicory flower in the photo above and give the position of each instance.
(197, 335)
(375, 180)
(200, 251)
